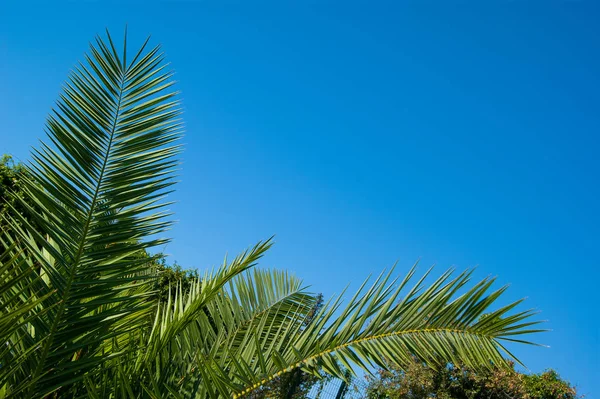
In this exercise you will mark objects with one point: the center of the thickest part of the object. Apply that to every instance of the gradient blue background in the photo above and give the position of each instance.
(360, 134)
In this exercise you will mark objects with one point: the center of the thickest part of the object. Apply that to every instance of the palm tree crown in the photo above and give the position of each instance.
(80, 315)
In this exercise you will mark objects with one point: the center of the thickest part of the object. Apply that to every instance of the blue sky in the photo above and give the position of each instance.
(361, 133)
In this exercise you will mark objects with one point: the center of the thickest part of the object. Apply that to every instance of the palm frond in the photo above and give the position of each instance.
(251, 301)
(431, 323)
(175, 316)
(98, 190)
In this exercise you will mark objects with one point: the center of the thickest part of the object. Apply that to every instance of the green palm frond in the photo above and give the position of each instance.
(251, 301)
(98, 190)
(431, 323)
(177, 314)
(21, 303)
(259, 297)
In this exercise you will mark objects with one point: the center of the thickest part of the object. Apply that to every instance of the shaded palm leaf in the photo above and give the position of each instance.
(98, 193)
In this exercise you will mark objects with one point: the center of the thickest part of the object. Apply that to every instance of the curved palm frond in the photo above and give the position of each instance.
(172, 318)
(260, 297)
(431, 323)
(98, 192)
(219, 327)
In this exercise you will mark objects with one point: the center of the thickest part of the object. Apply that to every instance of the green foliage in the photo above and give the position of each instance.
(172, 276)
(83, 310)
(548, 385)
(295, 384)
(418, 381)
(12, 176)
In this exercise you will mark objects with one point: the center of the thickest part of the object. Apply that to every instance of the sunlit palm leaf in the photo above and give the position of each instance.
(251, 301)
(432, 323)
(173, 318)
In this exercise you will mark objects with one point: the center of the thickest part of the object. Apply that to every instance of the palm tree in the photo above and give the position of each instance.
(79, 312)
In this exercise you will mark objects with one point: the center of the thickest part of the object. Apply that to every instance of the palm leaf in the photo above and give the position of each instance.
(249, 302)
(431, 323)
(99, 192)
(173, 318)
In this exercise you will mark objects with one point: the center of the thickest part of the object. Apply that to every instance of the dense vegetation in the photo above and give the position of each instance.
(84, 310)
(417, 381)
(293, 384)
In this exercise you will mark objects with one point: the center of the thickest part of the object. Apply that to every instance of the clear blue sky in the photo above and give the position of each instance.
(365, 133)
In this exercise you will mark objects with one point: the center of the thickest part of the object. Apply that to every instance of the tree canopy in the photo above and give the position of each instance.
(418, 381)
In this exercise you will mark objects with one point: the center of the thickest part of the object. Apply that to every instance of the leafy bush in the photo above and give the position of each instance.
(418, 381)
